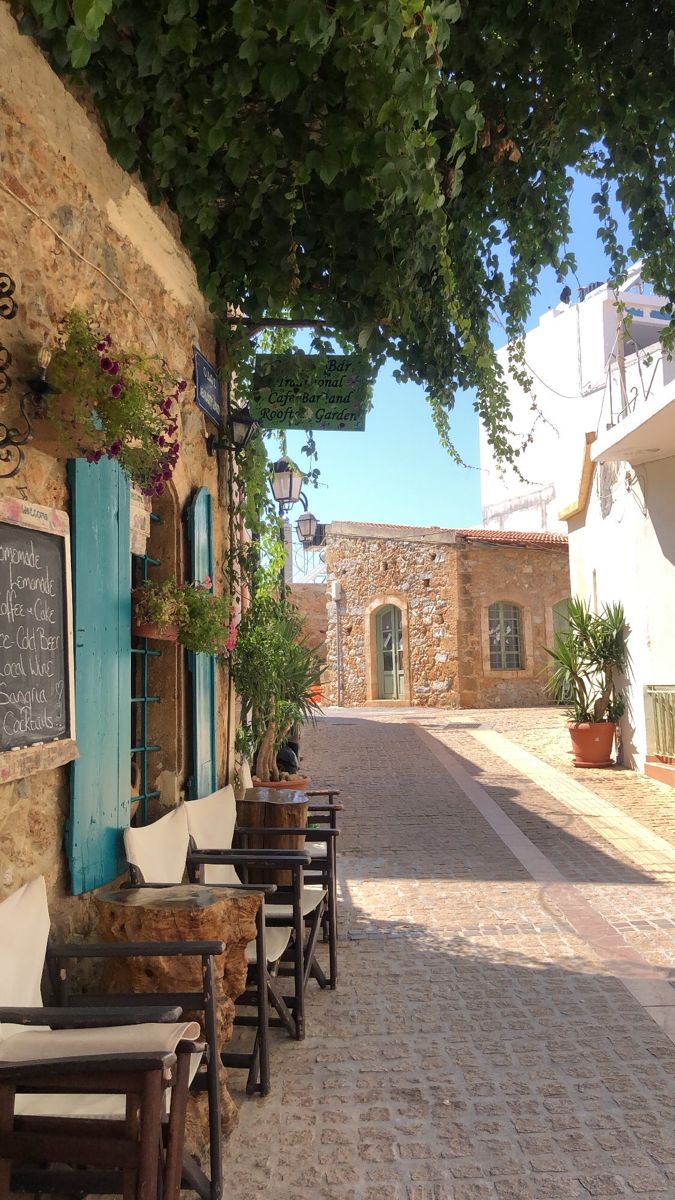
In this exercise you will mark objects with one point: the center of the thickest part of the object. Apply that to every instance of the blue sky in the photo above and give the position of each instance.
(396, 471)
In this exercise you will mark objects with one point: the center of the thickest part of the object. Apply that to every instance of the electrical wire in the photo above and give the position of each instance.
(82, 258)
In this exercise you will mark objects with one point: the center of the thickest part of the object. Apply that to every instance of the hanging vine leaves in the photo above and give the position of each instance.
(363, 161)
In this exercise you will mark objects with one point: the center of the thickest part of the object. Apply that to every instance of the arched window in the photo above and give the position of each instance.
(505, 634)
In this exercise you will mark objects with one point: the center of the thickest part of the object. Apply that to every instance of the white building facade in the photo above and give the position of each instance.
(601, 466)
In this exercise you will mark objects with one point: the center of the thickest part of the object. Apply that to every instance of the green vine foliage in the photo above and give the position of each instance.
(366, 162)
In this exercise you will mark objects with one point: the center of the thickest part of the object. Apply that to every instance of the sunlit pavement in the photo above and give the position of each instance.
(503, 1022)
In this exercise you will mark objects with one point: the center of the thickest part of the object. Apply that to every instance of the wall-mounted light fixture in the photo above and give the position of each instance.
(12, 439)
(240, 428)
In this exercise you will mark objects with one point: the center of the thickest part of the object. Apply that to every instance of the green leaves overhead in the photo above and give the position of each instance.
(396, 168)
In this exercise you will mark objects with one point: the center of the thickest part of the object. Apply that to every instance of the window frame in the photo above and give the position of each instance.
(502, 647)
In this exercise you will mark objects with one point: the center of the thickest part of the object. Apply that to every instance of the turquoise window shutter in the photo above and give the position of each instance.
(100, 778)
(202, 667)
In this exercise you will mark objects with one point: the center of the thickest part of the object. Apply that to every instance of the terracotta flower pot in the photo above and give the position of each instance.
(159, 633)
(592, 743)
(298, 785)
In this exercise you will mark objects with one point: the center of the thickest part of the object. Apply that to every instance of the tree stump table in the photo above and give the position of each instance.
(184, 912)
(277, 809)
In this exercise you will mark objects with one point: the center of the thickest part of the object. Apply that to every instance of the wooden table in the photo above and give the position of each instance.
(183, 912)
(277, 809)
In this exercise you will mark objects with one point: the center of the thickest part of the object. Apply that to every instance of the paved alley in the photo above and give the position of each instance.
(504, 1025)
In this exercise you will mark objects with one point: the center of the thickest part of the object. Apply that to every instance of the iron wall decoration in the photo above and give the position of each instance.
(207, 388)
(310, 391)
(12, 440)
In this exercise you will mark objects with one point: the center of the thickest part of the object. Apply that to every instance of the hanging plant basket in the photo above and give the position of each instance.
(60, 432)
(158, 633)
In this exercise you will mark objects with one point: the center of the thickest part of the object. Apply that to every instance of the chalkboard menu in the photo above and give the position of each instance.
(35, 635)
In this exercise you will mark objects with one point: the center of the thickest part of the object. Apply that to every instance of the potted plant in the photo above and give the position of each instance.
(588, 657)
(104, 400)
(158, 610)
(188, 613)
(275, 672)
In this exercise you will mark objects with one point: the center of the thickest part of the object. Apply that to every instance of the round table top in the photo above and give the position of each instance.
(178, 895)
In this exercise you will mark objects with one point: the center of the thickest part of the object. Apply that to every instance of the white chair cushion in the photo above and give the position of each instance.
(312, 895)
(244, 778)
(44, 1044)
(159, 850)
(317, 849)
(211, 822)
(276, 941)
(24, 930)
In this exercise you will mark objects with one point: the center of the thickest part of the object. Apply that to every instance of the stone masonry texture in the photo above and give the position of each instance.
(480, 1045)
(443, 582)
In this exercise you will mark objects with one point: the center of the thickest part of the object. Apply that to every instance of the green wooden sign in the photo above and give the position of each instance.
(310, 391)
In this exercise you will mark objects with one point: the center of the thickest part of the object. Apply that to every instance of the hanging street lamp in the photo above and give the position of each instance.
(286, 484)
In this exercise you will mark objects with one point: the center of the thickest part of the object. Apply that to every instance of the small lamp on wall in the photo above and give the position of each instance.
(240, 428)
(306, 525)
(286, 484)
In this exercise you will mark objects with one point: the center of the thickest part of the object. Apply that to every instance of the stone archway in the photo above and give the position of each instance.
(398, 601)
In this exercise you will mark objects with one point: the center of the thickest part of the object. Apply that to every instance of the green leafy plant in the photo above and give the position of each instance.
(204, 620)
(588, 656)
(275, 673)
(398, 171)
(113, 402)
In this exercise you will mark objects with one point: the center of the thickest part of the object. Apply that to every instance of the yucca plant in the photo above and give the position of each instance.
(588, 656)
(275, 671)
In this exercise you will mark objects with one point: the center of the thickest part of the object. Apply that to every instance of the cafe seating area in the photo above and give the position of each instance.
(218, 927)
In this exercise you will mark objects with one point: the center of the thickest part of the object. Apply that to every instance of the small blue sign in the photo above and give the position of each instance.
(207, 388)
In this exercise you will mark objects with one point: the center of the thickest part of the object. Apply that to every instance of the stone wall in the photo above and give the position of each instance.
(443, 582)
(311, 600)
(75, 230)
(533, 577)
(419, 575)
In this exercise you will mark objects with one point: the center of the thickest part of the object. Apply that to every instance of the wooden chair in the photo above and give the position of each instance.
(321, 845)
(90, 1101)
(159, 854)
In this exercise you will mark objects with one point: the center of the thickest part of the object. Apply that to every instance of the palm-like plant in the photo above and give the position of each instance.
(274, 670)
(588, 656)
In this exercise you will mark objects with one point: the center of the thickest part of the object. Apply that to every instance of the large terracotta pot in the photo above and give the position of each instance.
(299, 784)
(592, 743)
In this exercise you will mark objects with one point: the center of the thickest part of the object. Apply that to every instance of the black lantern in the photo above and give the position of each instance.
(240, 428)
(286, 483)
(306, 527)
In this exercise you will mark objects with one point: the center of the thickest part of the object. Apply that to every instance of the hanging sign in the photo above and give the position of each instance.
(310, 391)
(207, 388)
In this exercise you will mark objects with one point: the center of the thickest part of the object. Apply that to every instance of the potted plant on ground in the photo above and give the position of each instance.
(103, 400)
(188, 613)
(588, 657)
(275, 672)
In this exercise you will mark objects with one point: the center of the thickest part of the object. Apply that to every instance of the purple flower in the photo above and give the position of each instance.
(114, 448)
(181, 386)
(114, 368)
(159, 489)
(165, 407)
(101, 346)
(105, 363)
(171, 429)
(116, 390)
(167, 473)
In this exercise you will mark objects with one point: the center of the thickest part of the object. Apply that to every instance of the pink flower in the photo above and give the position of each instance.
(207, 582)
(231, 638)
(116, 390)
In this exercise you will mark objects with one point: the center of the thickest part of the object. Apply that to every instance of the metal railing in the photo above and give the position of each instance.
(660, 714)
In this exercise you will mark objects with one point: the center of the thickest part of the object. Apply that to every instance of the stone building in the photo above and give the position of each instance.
(151, 723)
(450, 617)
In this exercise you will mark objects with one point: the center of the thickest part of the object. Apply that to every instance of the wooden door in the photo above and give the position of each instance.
(389, 635)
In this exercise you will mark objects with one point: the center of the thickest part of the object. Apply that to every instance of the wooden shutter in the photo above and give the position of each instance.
(100, 778)
(202, 667)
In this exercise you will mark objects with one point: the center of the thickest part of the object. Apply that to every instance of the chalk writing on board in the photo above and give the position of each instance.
(33, 650)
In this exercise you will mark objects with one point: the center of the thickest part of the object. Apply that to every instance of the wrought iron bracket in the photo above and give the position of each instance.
(12, 440)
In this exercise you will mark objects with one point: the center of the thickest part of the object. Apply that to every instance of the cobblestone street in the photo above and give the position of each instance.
(504, 1023)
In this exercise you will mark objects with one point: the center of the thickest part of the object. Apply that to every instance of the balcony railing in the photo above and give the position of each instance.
(660, 713)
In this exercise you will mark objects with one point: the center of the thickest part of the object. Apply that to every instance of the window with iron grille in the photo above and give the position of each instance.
(504, 629)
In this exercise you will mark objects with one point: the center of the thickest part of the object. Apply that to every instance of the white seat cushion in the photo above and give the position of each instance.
(44, 1044)
(276, 941)
(317, 849)
(312, 895)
